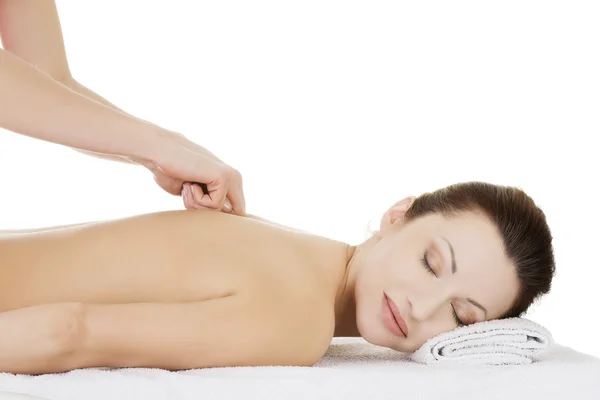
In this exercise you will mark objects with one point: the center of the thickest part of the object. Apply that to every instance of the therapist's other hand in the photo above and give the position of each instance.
(183, 165)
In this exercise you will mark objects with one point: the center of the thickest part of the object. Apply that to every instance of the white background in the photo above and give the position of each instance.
(333, 111)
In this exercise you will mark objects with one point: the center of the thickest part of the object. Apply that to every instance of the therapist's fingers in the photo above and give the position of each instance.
(200, 190)
(192, 194)
(235, 193)
(185, 195)
(188, 198)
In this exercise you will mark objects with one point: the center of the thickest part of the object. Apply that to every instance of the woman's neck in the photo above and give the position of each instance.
(345, 306)
(335, 263)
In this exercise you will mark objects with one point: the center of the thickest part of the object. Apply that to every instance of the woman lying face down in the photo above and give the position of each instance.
(193, 289)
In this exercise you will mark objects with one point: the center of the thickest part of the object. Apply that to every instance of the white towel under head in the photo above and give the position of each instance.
(510, 341)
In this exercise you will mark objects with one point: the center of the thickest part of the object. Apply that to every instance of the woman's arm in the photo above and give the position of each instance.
(33, 102)
(38, 339)
(228, 331)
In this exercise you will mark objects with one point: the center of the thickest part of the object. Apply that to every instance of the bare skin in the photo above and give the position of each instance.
(257, 270)
(184, 290)
(193, 289)
(161, 257)
(40, 98)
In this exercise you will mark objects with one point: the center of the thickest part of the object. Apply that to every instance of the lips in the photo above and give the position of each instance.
(395, 314)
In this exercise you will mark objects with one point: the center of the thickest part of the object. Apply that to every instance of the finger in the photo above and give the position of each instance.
(217, 190)
(203, 187)
(187, 200)
(204, 190)
(227, 206)
(236, 194)
(195, 193)
(184, 188)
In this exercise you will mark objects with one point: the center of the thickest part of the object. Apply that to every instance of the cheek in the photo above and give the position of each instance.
(390, 258)
(401, 254)
(376, 266)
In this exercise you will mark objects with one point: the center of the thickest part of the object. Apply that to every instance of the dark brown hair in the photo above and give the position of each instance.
(520, 222)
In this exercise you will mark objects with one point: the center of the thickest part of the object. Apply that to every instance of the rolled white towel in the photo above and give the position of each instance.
(511, 341)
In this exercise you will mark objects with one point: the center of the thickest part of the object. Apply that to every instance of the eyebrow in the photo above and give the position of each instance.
(476, 304)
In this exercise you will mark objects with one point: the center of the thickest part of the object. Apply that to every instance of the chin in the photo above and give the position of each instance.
(372, 333)
(370, 326)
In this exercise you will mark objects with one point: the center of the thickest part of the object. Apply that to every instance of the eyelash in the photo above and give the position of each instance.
(432, 272)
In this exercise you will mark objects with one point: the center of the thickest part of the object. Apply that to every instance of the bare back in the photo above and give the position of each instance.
(190, 279)
(173, 256)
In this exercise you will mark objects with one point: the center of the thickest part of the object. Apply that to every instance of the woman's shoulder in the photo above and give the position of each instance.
(301, 325)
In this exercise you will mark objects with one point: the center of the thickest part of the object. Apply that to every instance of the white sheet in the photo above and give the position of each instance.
(351, 369)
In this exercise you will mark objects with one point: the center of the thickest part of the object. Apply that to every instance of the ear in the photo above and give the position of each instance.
(395, 215)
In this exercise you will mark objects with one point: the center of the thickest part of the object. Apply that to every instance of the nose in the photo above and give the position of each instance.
(424, 306)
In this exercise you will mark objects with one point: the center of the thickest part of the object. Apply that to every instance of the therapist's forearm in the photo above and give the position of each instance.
(35, 105)
(73, 84)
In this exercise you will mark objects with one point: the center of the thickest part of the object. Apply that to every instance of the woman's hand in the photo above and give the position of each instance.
(183, 166)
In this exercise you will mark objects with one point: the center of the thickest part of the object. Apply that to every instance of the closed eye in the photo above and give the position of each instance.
(430, 270)
(425, 263)
(456, 319)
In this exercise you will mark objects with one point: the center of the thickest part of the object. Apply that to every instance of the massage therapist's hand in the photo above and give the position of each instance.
(40, 98)
(182, 165)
